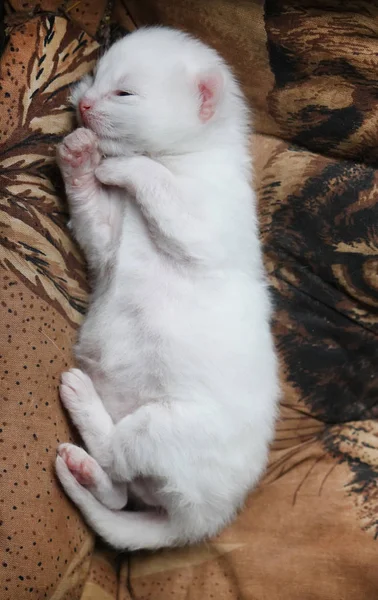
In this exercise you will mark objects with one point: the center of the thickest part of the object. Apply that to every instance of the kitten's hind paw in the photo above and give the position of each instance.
(82, 466)
(74, 462)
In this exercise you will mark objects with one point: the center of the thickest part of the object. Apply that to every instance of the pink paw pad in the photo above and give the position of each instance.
(79, 463)
(78, 154)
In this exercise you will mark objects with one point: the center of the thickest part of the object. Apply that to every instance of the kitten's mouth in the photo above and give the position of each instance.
(100, 129)
(87, 121)
(110, 144)
(91, 121)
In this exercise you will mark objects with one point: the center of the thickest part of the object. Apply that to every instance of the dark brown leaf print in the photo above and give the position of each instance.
(34, 91)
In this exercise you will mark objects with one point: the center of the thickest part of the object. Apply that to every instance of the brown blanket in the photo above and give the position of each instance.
(309, 69)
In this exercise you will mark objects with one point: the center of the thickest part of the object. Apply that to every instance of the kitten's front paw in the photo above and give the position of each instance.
(78, 156)
(127, 172)
(111, 171)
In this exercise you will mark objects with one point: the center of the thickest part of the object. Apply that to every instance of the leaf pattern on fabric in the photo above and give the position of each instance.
(37, 245)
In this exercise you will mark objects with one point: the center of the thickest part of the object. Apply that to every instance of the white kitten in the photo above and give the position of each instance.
(177, 397)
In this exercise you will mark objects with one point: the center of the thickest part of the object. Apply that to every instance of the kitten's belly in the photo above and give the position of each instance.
(157, 335)
(122, 365)
(174, 356)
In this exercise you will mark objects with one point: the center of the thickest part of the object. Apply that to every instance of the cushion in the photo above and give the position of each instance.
(309, 530)
(46, 545)
(47, 549)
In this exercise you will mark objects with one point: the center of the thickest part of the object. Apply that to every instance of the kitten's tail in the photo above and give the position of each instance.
(123, 530)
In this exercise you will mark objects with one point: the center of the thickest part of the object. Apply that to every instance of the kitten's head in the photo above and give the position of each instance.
(155, 91)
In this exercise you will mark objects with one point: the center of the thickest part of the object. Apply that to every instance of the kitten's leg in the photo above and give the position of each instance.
(124, 450)
(94, 216)
(89, 474)
(121, 449)
(121, 529)
(101, 437)
(141, 442)
(157, 436)
(166, 441)
(181, 225)
(88, 413)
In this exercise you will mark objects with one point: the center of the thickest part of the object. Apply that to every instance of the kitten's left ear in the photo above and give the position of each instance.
(210, 87)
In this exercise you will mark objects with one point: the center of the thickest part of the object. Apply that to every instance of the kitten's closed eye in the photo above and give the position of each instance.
(122, 93)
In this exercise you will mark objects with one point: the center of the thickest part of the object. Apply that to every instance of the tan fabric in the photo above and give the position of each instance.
(87, 15)
(309, 531)
(108, 577)
(45, 546)
(28, 6)
(324, 55)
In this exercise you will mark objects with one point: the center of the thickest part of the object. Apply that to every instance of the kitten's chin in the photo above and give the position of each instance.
(109, 147)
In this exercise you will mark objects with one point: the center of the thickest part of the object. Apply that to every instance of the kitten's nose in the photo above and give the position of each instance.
(84, 105)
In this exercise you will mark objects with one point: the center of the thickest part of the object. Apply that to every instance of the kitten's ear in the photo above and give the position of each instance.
(210, 87)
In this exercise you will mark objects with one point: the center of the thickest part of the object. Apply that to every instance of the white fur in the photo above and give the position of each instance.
(178, 388)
